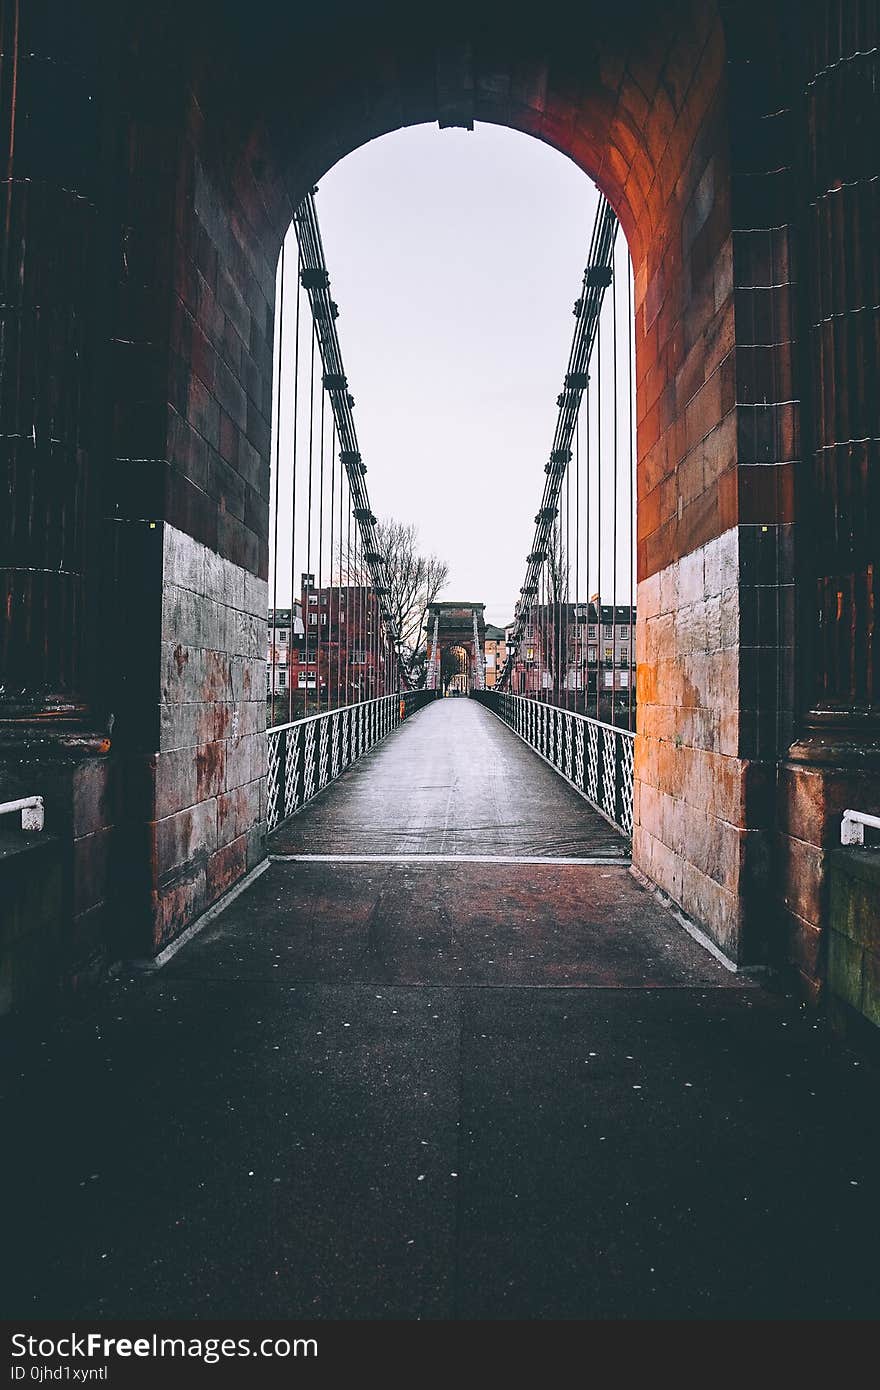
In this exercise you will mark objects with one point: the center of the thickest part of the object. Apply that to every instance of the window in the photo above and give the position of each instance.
(282, 679)
(313, 620)
(609, 630)
(282, 635)
(323, 619)
(313, 600)
(623, 630)
(609, 655)
(624, 656)
(591, 630)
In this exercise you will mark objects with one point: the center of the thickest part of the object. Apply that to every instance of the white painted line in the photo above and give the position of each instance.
(693, 930)
(592, 860)
(156, 962)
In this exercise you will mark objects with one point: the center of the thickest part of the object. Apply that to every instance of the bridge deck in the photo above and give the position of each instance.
(451, 780)
(402, 1089)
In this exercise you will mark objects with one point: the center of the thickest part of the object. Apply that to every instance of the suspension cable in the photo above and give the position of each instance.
(316, 281)
(597, 277)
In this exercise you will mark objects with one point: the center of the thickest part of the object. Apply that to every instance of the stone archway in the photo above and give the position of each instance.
(678, 111)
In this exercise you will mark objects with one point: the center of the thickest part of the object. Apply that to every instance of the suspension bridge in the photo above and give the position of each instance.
(478, 976)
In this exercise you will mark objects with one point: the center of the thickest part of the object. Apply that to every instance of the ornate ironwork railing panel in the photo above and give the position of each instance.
(309, 754)
(595, 758)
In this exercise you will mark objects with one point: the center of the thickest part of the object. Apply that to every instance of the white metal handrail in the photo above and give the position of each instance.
(31, 808)
(595, 758)
(853, 825)
(309, 753)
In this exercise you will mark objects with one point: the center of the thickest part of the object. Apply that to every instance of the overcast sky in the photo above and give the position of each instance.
(455, 258)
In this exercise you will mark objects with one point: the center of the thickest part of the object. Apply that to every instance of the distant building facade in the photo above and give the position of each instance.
(494, 654)
(284, 637)
(576, 647)
(331, 649)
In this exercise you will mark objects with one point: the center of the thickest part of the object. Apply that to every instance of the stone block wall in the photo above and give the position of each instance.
(209, 772)
(32, 921)
(76, 778)
(690, 834)
(814, 790)
(854, 932)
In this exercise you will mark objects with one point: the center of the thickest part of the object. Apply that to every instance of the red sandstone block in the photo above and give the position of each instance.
(231, 395)
(233, 303)
(188, 836)
(206, 257)
(649, 430)
(633, 100)
(708, 903)
(238, 811)
(229, 439)
(669, 498)
(653, 467)
(91, 869)
(203, 412)
(649, 513)
(720, 457)
(225, 868)
(203, 357)
(659, 550)
(178, 903)
(616, 165)
(802, 947)
(236, 542)
(184, 777)
(703, 411)
(812, 800)
(803, 879)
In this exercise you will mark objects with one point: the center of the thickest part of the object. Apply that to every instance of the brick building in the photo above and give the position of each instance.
(284, 638)
(577, 647)
(331, 650)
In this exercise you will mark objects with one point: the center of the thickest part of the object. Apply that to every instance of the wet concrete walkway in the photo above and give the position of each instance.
(456, 1089)
(452, 780)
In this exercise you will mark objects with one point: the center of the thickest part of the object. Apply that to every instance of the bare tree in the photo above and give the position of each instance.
(414, 580)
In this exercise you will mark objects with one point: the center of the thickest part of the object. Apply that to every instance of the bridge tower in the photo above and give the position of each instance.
(455, 649)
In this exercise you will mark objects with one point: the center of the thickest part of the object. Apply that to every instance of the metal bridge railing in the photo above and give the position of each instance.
(303, 757)
(595, 758)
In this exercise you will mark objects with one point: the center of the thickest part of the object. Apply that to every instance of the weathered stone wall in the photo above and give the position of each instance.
(854, 932)
(834, 763)
(210, 770)
(690, 786)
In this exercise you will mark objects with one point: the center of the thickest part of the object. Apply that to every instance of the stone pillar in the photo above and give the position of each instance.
(842, 109)
(49, 109)
(835, 763)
